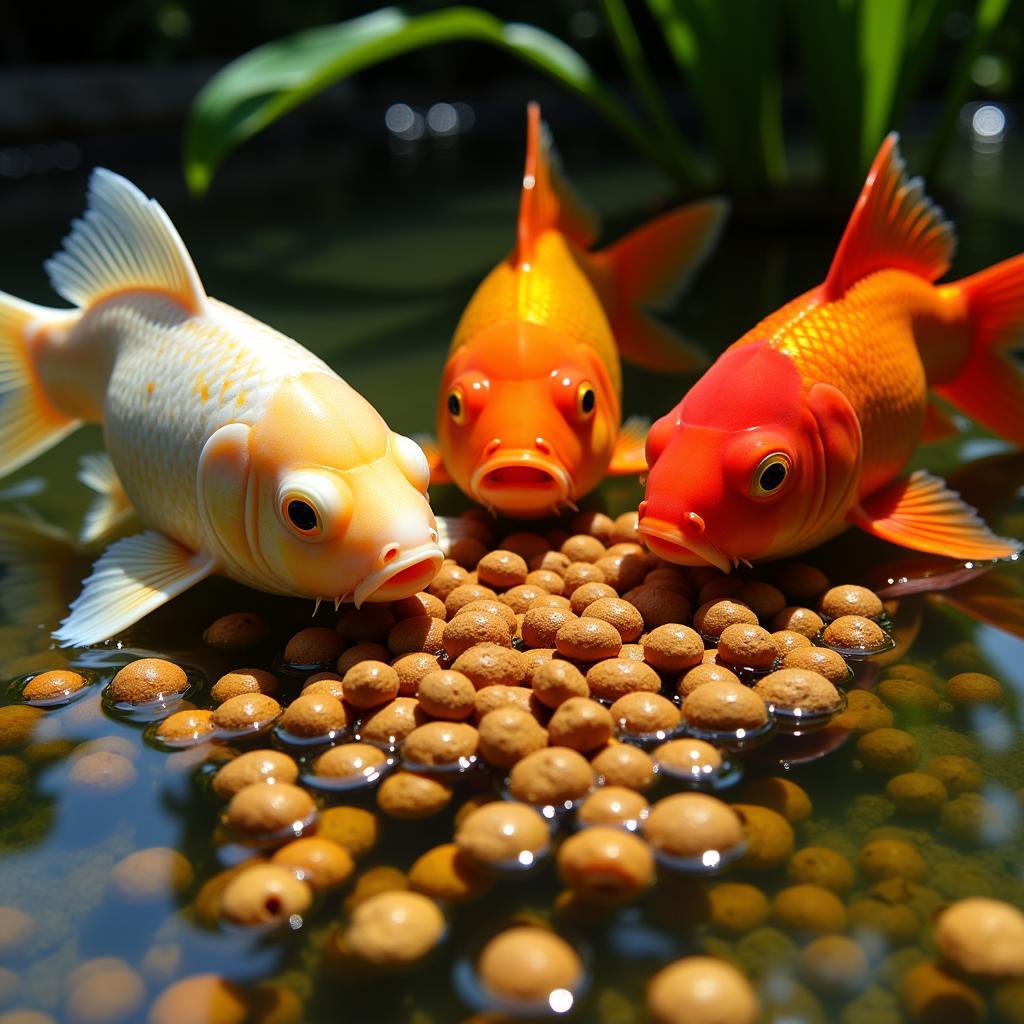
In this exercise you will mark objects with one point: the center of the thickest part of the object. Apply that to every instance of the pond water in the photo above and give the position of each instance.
(375, 287)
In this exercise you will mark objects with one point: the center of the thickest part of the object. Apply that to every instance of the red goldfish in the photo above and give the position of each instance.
(529, 412)
(805, 425)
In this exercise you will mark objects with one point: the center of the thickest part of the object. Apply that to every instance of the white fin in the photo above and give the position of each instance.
(130, 579)
(36, 561)
(452, 528)
(125, 242)
(111, 507)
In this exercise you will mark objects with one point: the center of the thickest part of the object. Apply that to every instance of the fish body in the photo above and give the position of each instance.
(241, 452)
(530, 406)
(804, 426)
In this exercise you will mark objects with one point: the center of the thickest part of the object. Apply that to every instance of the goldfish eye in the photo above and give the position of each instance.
(456, 405)
(303, 516)
(314, 505)
(586, 401)
(771, 473)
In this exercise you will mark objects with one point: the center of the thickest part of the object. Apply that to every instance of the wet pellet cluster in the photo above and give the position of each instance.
(563, 707)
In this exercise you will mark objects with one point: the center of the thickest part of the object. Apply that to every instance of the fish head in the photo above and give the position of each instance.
(527, 419)
(335, 502)
(744, 468)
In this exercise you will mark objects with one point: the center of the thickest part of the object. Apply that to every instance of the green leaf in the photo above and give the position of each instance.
(881, 40)
(264, 84)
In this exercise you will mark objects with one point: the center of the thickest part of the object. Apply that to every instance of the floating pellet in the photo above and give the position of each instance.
(614, 677)
(370, 684)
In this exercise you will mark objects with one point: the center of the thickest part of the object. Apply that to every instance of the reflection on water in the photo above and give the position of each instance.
(80, 790)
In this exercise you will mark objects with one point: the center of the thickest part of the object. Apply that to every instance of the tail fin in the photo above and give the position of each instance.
(990, 386)
(29, 424)
(649, 269)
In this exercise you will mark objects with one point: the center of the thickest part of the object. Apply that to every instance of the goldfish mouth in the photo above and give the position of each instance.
(521, 482)
(406, 575)
(668, 542)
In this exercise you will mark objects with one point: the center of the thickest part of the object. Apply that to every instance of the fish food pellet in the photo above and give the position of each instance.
(440, 743)
(701, 990)
(541, 625)
(668, 578)
(392, 930)
(370, 684)
(717, 588)
(809, 910)
(200, 999)
(102, 773)
(312, 716)
(51, 687)
(762, 598)
(606, 864)
(659, 607)
(622, 572)
(370, 623)
(524, 965)
(478, 627)
(254, 766)
(613, 805)
(825, 662)
(673, 647)
(318, 862)
(615, 677)
(554, 775)
(364, 651)
(186, 726)
(793, 689)
(747, 646)
(520, 598)
(864, 713)
(17, 725)
(969, 688)
(622, 764)
(930, 995)
(464, 594)
(549, 561)
(891, 858)
(412, 669)
(468, 551)
(99, 991)
(237, 631)
(786, 640)
(241, 681)
(890, 751)
(412, 796)
(544, 579)
(556, 681)
(17, 929)
(820, 865)
(448, 577)
(583, 548)
(689, 758)
(507, 735)
(855, 633)
(525, 543)
(315, 646)
(418, 633)
(781, 795)
(391, 723)
(693, 826)
(804, 621)
(350, 762)
(770, 838)
(444, 873)
(596, 524)
(533, 658)
(248, 712)
(916, 792)
(724, 707)
(982, 937)
(270, 811)
(583, 597)
(503, 834)
(493, 607)
(147, 680)
(958, 774)
(713, 617)
(264, 894)
(488, 664)
(907, 695)
(502, 569)
(447, 694)
(586, 639)
(579, 574)
(152, 875)
(618, 613)
(849, 599)
(491, 698)
(418, 605)
(800, 582)
(737, 907)
(705, 673)
(580, 723)
(625, 529)
(644, 714)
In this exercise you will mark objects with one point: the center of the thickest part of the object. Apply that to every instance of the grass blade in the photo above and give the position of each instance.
(881, 39)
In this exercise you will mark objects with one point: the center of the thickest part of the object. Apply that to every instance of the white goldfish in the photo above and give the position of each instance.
(242, 453)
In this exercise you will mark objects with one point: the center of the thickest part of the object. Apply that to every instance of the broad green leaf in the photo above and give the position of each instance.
(882, 37)
(264, 84)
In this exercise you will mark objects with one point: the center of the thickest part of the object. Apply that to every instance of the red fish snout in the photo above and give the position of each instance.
(692, 524)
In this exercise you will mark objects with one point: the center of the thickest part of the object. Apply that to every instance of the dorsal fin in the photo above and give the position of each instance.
(546, 200)
(894, 226)
(124, 242)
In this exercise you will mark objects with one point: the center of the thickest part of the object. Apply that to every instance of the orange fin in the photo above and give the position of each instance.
(628, 457)
(894, 226)
(649, 269)
(990, 599)
(989, 386)
(438, 474)
(922, 513)
(546, 201)
(938, 425)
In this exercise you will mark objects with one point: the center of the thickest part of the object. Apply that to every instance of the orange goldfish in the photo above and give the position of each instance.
(242, 453)
(529, 414)
(805, 425)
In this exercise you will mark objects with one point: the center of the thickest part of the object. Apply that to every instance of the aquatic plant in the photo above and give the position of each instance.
(862, 61)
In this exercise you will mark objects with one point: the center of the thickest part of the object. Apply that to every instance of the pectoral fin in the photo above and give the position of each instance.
(111, 507)
(921, 512)
(438, 473)
(629, 456)
(938, 425)
(129, 580)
